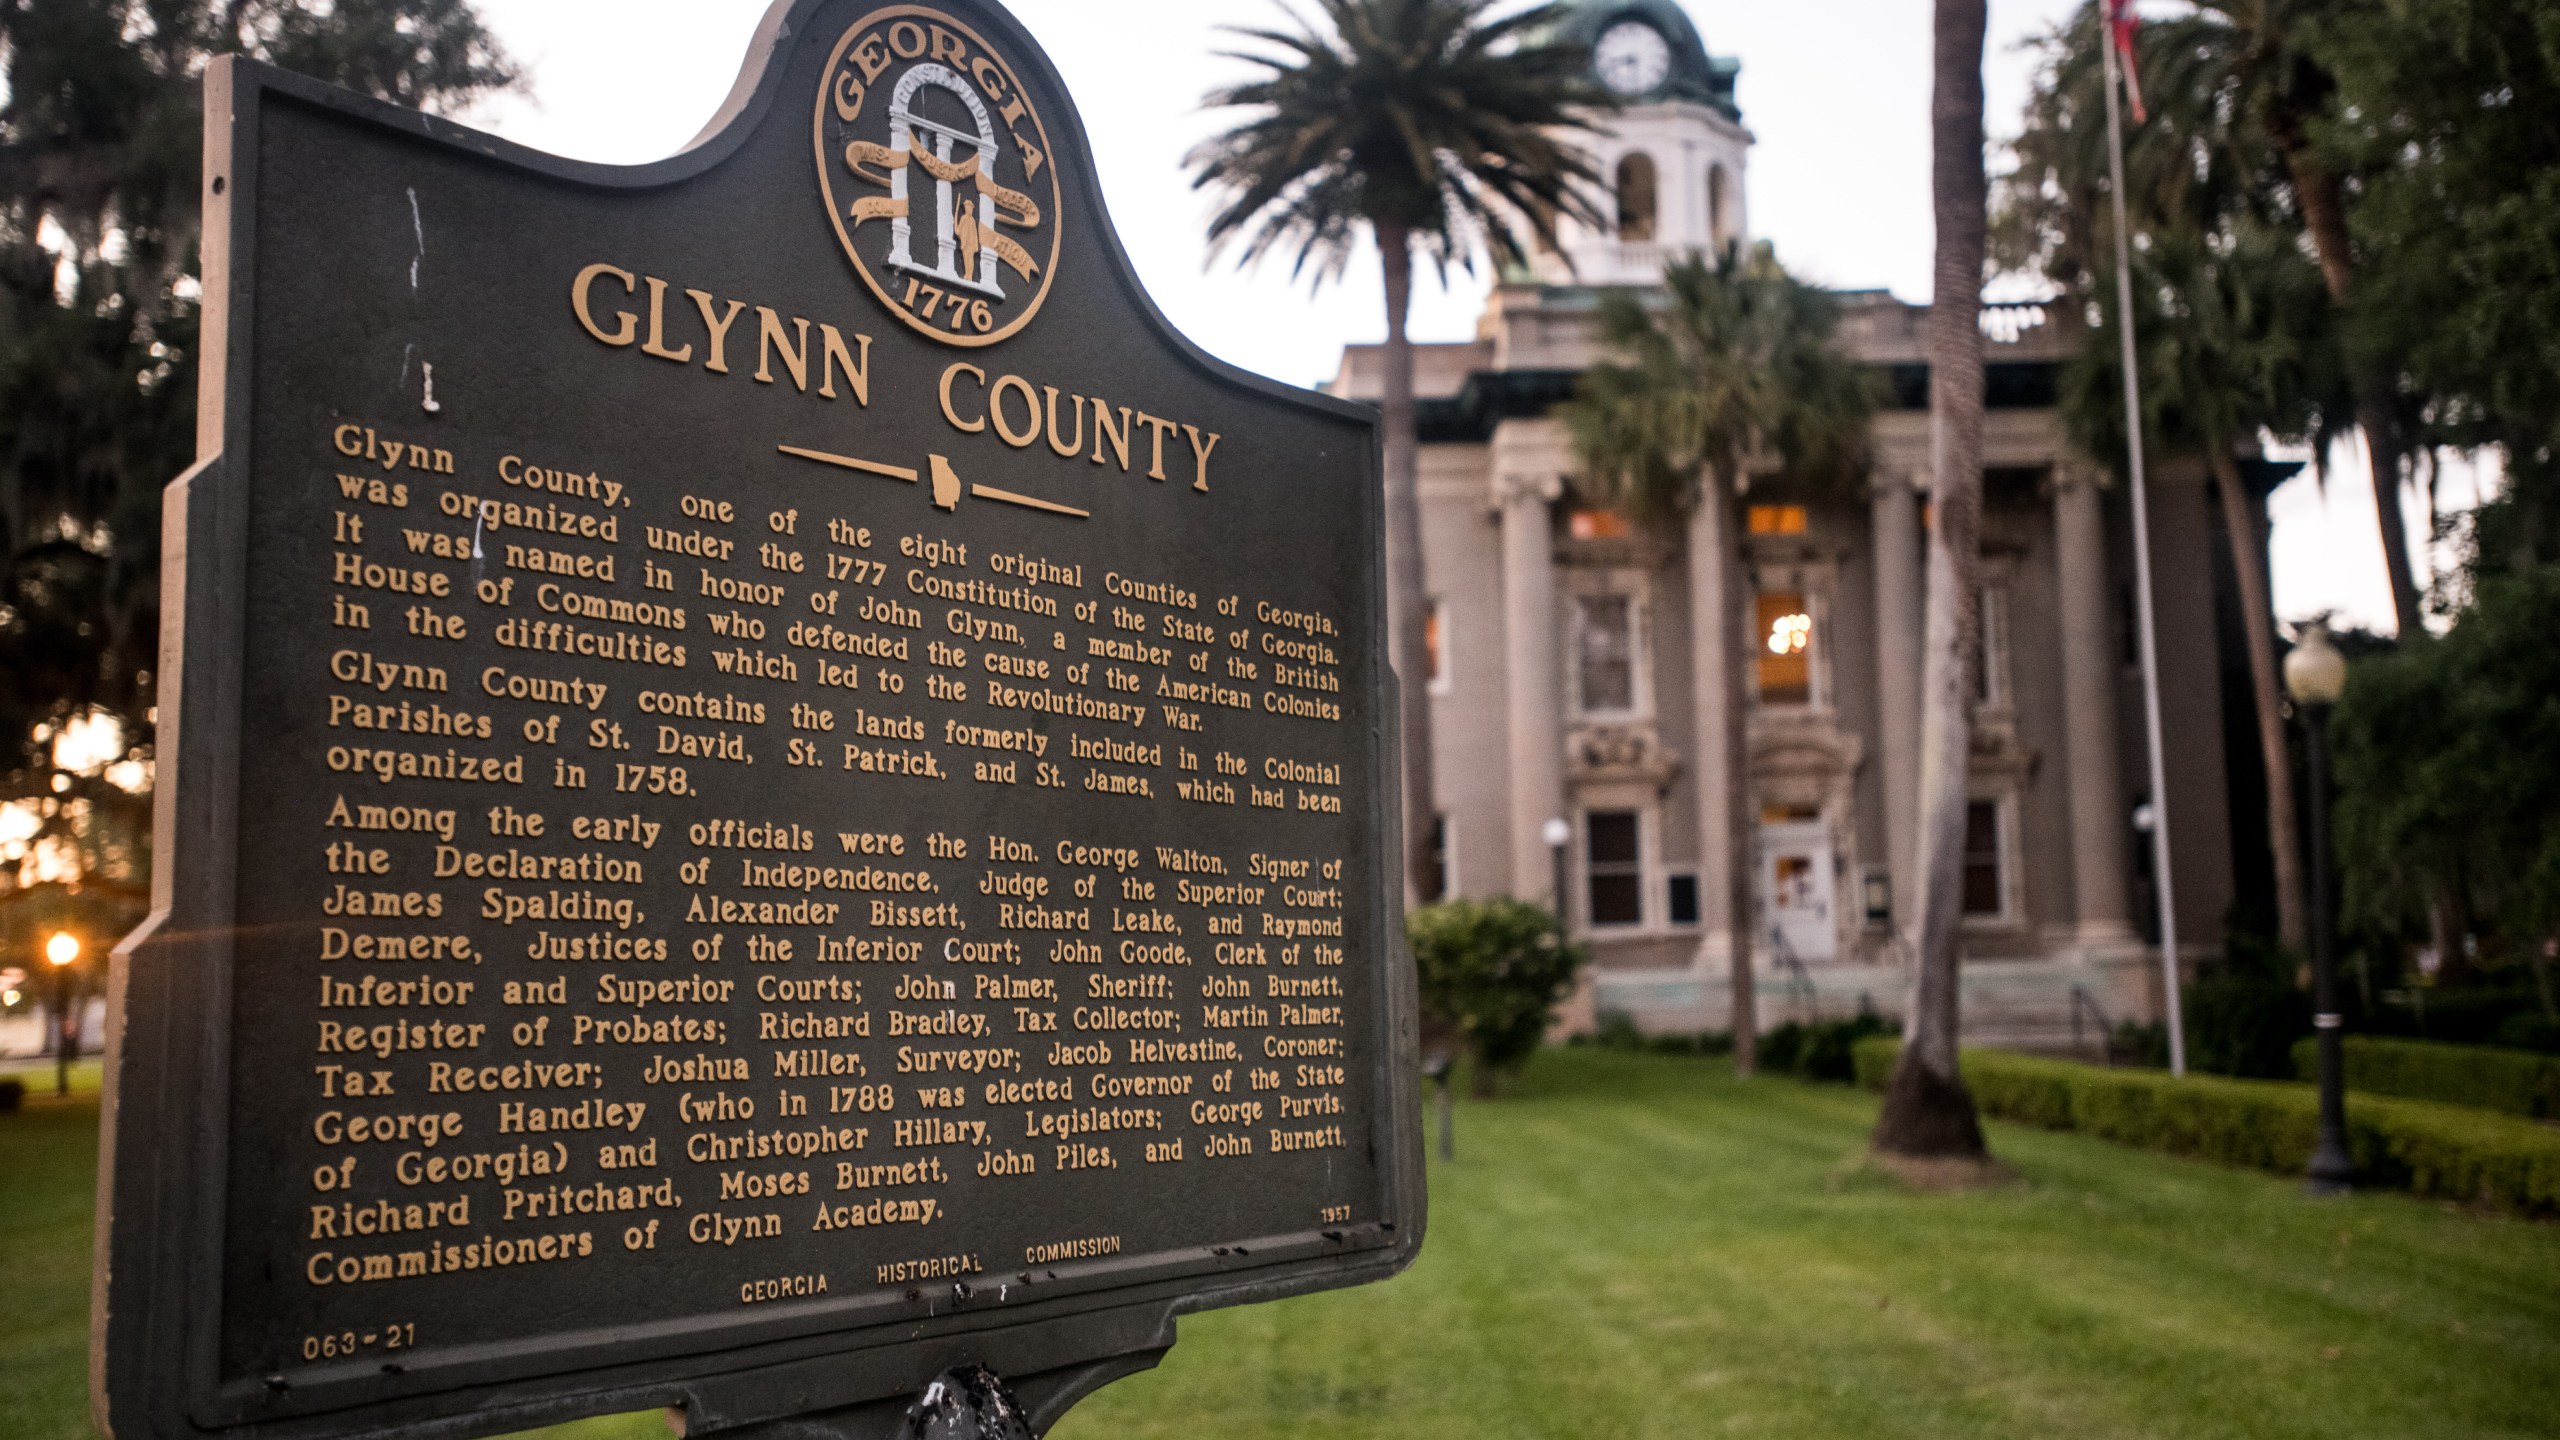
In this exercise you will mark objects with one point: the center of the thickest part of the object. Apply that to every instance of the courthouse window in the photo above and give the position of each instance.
(1776, 520)
(1985, 883)
(1597, 525)
(1785, 648)
(1614, 855)
(1439, 859)
(1435, 644)
(1605, 652)
(1684, 899)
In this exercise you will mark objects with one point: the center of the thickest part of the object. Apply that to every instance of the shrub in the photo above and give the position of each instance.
(2476, 1014)
(2516, 1082)
(1821, 1051)
(1780, 1048)
(2442, 1151)
(2140, 1042)
(1871, 1061)
(1490, 972)
(1686, 1042)
(1616, 1030)
(13, 1093)
(2530, 1030)
(2244, 1012)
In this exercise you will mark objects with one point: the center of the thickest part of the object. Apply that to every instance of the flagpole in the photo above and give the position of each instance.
(2142, 567)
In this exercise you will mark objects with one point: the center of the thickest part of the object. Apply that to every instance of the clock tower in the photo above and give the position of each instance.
(1671, 161)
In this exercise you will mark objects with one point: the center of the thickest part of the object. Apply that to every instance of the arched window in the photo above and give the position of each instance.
(1636, 197)
(1719, 205)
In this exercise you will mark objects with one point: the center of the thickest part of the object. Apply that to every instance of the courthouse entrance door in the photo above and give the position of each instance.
(1797, 879)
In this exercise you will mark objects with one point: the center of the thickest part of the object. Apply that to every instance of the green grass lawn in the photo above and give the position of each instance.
(1641, 1246)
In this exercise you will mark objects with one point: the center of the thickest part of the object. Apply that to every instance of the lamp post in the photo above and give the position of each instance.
(2315, 675)
(61, 950)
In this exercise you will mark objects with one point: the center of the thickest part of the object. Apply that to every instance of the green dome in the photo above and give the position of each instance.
(1694, 76)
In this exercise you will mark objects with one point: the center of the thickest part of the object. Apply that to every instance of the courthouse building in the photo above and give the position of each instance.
(1567, 667)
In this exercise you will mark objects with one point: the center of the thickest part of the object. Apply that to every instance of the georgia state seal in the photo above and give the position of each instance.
(938, 175)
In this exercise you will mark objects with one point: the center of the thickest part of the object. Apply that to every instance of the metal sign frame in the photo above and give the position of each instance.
(166, 1164)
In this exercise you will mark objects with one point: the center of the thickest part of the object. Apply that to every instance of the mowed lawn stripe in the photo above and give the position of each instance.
(1641, 1245)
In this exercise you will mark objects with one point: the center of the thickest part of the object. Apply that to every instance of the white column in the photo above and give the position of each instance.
(1713, 632)
(2089, 708)
(1894, 523)
(1536, 689)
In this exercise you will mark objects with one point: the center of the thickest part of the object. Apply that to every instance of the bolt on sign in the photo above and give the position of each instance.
(771, 786)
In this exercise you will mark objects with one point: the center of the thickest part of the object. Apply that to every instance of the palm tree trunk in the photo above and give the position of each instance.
(1715, 530)
(2386, 452)
(1927, 1110)
(2257, 617)
(2324, 216)
(1408, 601)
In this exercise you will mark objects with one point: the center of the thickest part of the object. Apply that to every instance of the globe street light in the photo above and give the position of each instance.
(61, 950)
(2315, 675)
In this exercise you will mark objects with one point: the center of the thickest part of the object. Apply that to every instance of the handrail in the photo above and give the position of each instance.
(2081, 1000)
(1800, 984)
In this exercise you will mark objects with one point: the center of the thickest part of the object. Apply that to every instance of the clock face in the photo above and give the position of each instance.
(1632, 58)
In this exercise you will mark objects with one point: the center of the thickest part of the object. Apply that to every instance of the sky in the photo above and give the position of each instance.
(1836, 92)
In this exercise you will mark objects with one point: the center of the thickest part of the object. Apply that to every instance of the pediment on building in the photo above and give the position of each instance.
(1807, 745)
(1996, 750)
(1603, 753)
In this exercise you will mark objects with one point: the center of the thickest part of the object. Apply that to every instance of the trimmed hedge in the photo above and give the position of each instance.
(2442, 1151)
(2516, 1082)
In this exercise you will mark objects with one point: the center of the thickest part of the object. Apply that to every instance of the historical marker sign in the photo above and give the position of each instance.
(769, 785)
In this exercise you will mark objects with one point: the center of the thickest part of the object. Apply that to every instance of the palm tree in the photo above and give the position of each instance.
(1434, 127)
(2239, 95)
(1738, 357)
(1927, 1110)
(2238, 327)
(2235, 341)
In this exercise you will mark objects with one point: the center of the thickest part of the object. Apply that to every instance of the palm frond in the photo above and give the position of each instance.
(1732, 356)
(1430, 117)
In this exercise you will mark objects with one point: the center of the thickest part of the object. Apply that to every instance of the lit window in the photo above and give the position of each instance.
(1636, 203)
(1776, 519)
(1614, 857)
(1596, 525)
(1785, 648)
(1435, 645)
(1791, 882)
(1605, 652)
(1985, 886)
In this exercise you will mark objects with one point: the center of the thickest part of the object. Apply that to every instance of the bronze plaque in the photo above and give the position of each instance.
(768, 784)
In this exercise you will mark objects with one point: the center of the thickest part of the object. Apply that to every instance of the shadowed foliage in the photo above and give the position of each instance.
(100, 152)
(100, 217)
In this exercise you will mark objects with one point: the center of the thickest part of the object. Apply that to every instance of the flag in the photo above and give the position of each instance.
(2121, 23)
